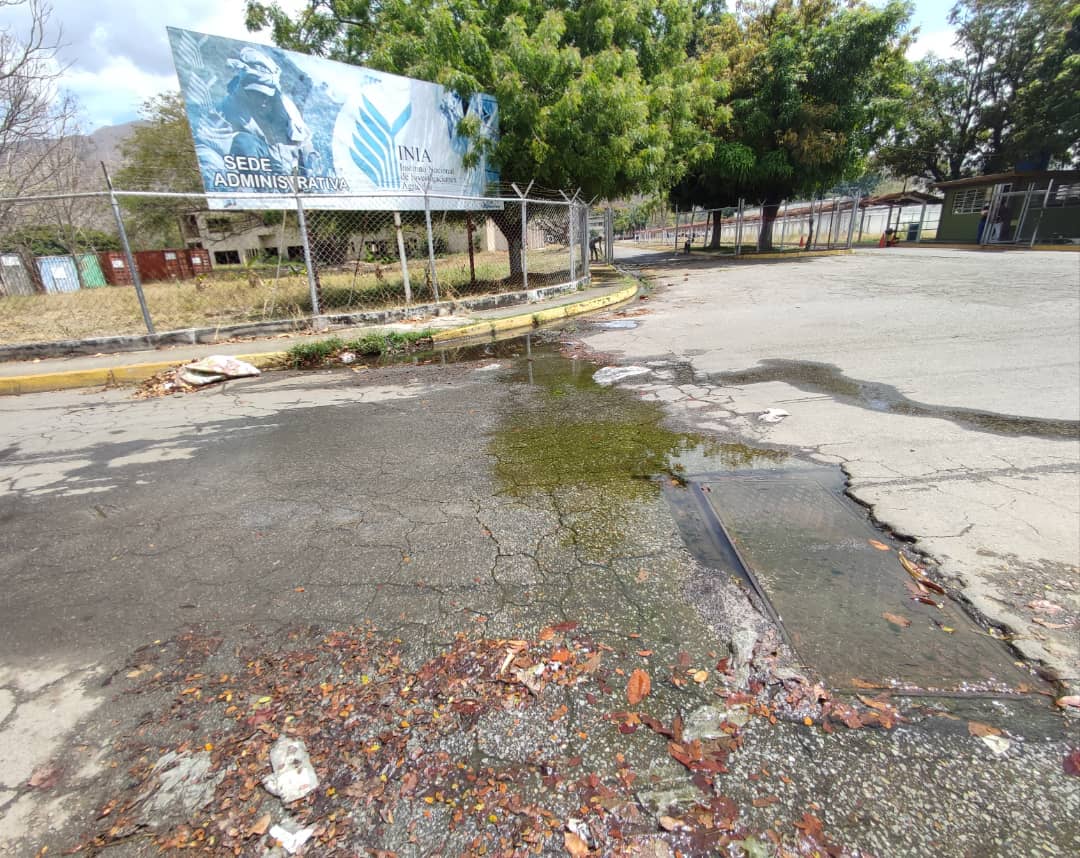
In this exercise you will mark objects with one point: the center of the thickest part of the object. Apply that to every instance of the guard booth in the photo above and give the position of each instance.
(1021, 207)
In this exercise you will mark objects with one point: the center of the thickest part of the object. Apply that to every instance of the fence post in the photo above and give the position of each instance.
(312, 274)
(991, 215)
(431, 246)
(524, 231)
(136, 280)
(1023, 213)
(583, 238)
(609, 235)
(571, 214)
(739, 227)
(851, 221)
(783, 222)
(404, 261)
(1038, 223)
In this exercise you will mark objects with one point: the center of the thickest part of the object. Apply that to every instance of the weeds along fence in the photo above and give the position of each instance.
(827, 223)
(96, 264)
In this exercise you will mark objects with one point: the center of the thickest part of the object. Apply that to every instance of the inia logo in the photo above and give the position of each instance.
(413, 153)
(373, 145)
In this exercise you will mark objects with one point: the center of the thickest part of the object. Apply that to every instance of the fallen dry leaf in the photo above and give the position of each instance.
(700, 676)
(1071, 763)
(1071, 700)
(638, 687)
(1046, 624)
(44, 777)
(880, 546)
(897, 620)
(913, 569)
(766, 801)
(1046, 607)
(977, 728)
(558, 713)
(644, 653)
(670, 823)
(260, 825)
(575, 846)
(881, 704)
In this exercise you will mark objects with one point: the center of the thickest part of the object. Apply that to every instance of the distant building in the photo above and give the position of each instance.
(1020, 207)
(233, 238)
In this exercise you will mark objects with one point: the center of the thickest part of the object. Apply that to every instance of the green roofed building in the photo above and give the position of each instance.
(1022, 207)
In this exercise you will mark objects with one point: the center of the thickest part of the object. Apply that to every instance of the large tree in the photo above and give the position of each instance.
(1030, 79)
(608, 96)
(159, 155)
(814, 84)
(936, 136)
(1011, 98)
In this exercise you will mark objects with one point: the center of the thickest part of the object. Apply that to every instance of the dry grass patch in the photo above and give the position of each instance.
(238, 296)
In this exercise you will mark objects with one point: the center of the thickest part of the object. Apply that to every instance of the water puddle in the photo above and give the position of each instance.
(784, 526)
(599, 449)
(828, 379)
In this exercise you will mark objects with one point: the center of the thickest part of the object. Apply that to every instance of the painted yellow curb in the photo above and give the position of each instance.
(111, 376)
(134, 373)
(532, 320)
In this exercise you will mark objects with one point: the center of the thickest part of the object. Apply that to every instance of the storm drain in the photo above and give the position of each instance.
(835, 583)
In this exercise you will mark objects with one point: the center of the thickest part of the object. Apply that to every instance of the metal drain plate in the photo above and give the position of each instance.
(809, 550)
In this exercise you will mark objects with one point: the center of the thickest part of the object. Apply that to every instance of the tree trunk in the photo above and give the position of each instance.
(717, 230)
(509, 223)
(769, 211)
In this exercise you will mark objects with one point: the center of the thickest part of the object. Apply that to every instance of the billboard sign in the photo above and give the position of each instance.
(273, 122)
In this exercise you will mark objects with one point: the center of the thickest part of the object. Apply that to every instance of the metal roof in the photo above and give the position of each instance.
(1011, 176)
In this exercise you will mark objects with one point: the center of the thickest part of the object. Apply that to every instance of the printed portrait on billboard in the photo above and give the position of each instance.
(274, 122)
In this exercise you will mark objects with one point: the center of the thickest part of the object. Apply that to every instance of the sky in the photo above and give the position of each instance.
(116, 52)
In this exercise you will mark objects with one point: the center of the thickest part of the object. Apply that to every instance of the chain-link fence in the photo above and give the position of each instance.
(98, 264)
(826, 223)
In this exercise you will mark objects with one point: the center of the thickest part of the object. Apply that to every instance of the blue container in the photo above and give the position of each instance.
(58, 273)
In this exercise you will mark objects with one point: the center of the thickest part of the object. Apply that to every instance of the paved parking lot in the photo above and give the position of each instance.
(945, 382)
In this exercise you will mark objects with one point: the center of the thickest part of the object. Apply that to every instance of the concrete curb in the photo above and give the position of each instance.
(111, 376)
(134, 373)
(698, 253)
(532, 320)
(209, 336)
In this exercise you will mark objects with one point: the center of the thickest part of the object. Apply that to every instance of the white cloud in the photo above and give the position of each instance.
(113, 93)
(940, 43)
(117, 52)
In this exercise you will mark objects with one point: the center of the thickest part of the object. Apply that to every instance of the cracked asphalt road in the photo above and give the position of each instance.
(338, 498)
(946, 384)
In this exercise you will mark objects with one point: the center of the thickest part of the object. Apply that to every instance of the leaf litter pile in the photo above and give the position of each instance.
(399, 762)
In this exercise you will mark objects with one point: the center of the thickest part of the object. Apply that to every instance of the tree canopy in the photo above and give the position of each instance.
(814, 83)
(1012, 98)
(159, 156)
(609, 96)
